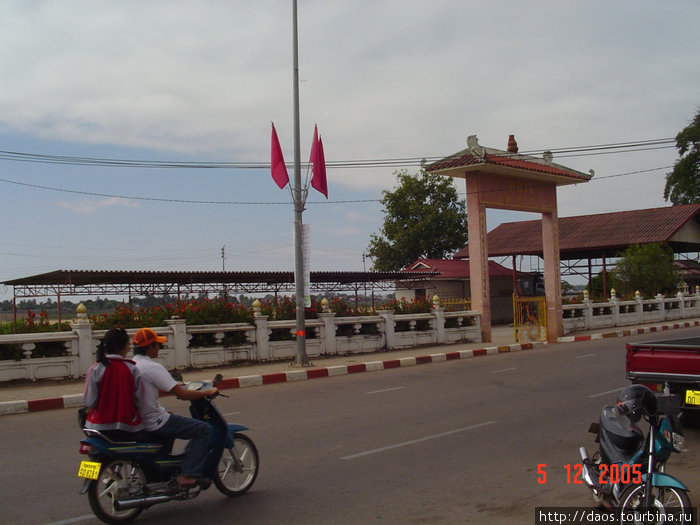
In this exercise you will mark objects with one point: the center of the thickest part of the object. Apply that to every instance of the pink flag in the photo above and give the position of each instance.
(277, 166)
(318, 159)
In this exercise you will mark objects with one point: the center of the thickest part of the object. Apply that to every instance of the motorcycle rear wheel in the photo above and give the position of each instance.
(671, 503)
(115, 481)
(234, 481)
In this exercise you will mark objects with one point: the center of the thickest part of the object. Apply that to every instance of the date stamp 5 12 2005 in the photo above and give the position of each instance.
(614, 473)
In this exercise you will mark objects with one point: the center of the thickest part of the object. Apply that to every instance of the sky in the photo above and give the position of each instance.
(182, 81)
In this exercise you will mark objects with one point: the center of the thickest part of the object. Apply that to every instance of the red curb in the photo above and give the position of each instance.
(315, 373)
(229, 383)
(652, 328)
(609, 335)
(582, 338)
(270, 379)
(503, 349)
(423, 360)
(44, 404)
(352, 369)
(452, 355)
(481, 351)
(394, 363)
(526, 346)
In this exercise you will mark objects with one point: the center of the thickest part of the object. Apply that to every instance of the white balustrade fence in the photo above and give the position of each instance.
(591, 316)
(265, 340)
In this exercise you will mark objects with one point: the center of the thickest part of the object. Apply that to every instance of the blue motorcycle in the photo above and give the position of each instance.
(627, 473)
(123, 478)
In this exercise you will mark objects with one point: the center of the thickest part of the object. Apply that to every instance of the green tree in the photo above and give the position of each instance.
(423, 218)
(647, 268)
(683, 183)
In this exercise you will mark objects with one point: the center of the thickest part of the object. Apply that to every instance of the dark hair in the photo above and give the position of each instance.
(140, 350)
(113, 342)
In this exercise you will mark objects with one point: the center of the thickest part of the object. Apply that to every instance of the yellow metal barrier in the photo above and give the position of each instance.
(529, 318)
(459, 302)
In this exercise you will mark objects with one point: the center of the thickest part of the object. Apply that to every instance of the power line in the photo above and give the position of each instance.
(270, 203)
(577, 151)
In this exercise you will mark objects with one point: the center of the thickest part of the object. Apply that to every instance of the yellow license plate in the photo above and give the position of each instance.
(692, 397)
(89, 470)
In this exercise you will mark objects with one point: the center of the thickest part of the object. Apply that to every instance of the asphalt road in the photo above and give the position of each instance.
(453, 442)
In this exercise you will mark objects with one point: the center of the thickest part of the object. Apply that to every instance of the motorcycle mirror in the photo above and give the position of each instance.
(177, 376)
(218, 378)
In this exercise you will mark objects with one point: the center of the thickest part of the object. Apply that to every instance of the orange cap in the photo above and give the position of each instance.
(146, 337)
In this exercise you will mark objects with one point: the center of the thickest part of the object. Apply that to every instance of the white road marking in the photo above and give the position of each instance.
(584, 356)
(231, 414)
(73, 520)
(386, 390)
(419, 440)
(608, 392)
(502, 370)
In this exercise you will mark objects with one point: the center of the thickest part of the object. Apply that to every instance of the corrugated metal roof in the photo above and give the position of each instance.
(88, 277)
(604, 232)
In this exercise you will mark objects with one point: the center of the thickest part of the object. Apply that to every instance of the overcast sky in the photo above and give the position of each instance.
(201, 81)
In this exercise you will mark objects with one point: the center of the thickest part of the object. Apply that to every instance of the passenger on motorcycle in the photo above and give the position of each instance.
(113, 388)
(156, 418)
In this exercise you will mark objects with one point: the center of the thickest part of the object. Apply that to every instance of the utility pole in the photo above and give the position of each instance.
(223, 258)
(299, 201)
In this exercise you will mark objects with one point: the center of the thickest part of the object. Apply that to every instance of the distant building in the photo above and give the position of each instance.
(451, 284)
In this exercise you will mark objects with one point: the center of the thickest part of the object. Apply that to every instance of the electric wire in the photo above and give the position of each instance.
(578, 151)
(269, 203)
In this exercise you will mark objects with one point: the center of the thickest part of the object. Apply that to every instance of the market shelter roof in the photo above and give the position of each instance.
(135, 283)
(601, 234)
(455, 269)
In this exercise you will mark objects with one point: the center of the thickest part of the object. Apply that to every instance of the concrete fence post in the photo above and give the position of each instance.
(179, 343)
(388, 316)
(615, 302)
(262, 337)
(588, 311)
(662, 306)
(86, 346)
(329, 342)
(440, 334)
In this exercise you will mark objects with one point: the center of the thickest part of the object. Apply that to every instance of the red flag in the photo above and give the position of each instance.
(277, 166)
(318, 159)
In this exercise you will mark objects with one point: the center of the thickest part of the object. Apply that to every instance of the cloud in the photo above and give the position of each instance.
(89, 206)
(382, 79)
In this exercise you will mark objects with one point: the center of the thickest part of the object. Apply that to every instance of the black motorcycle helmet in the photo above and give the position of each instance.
(636, 400)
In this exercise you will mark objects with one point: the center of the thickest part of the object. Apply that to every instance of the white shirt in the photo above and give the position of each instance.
(154, 377)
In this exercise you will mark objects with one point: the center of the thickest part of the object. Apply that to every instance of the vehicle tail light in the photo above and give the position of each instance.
(86, 449)
(654, 387)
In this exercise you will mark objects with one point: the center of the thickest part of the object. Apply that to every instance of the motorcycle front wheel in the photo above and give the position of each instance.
(118, 480)
(668, 505)
(238, 467)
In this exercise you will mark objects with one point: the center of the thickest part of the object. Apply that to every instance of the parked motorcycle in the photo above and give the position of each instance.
(124, 478)
(618, 473)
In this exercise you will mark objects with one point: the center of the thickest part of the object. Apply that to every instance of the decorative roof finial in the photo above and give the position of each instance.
(474, 147)
(512, 144)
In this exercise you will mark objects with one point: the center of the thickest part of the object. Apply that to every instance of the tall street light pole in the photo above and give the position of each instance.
(299, 200)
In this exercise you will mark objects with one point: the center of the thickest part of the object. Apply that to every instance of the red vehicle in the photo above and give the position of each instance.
(671, 366)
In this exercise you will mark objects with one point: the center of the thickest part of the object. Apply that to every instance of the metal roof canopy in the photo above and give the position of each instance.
(64, 283)
(587, 238)
(601, 235)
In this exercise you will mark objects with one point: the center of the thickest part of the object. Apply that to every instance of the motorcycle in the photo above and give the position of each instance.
(618, 474)
(122, 479)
